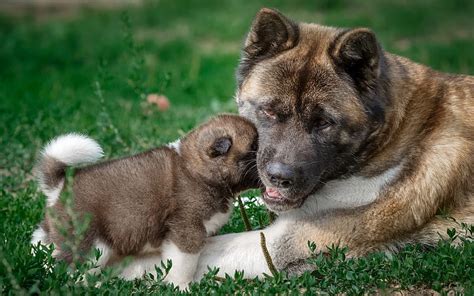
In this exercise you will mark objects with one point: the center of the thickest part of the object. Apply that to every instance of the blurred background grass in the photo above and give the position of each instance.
(67, 67)
(56, 57)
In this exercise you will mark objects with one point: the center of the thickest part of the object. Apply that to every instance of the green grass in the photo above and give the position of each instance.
(89, 73)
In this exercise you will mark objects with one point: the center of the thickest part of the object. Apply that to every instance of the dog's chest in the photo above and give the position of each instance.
(217, 220)
(349, 193)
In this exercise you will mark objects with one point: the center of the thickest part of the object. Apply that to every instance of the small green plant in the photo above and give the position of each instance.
(243, 214)
(266, 254)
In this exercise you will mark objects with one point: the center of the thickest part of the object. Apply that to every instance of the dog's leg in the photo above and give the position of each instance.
(138, 267)
(183, 264)
(180, 274)
(105, 254)
(39, 236)
(240, 251)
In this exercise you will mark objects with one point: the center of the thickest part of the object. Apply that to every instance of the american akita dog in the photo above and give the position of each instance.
(357, 146)
(157, 205)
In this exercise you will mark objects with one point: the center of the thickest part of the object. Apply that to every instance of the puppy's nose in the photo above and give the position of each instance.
(280, 174)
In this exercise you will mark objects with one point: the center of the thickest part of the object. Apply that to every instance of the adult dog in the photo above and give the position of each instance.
(358, 147)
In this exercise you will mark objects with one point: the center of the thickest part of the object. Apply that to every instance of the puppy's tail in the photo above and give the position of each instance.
(57, 155)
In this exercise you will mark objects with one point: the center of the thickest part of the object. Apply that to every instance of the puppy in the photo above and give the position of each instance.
(165, 201)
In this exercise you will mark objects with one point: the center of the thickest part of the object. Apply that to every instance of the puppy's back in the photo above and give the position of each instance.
(132, 195)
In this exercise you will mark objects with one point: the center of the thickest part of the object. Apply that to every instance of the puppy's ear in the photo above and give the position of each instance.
(358, 53)
(271, 33)
(220, 147)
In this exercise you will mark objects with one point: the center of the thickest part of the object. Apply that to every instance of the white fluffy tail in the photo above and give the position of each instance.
(61, 152)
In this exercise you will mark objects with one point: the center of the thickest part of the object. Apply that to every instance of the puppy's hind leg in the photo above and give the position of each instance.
(39, 236)
(138, 266)
(182, 270)
(42, 236)
(105, 254)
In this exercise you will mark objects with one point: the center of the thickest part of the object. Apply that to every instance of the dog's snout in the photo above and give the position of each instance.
(280, 174)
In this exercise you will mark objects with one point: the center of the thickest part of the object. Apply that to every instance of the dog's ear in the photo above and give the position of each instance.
(219, 147)
(358, 54)
(271, 33)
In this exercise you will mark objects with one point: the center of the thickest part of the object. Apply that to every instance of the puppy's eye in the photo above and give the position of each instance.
(322, 124)
(268, 113)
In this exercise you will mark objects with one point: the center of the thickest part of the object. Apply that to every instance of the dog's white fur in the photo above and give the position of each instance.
(184, 264)
(347, 193)
(52, 193)
(218, 220)
(105, 253)
(140, 266)
(70, 149)
(175, 145)
(181, 273)
(39, 236)
(73, 149)
(240, 251)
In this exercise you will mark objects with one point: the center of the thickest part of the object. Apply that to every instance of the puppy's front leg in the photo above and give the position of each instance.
(183, 247)
(183, 264)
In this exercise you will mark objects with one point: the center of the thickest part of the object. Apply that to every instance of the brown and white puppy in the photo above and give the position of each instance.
(163, 202)
(357, 146)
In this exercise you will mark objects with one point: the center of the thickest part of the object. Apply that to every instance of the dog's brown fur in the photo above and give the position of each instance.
(386, 111)
(159, 194)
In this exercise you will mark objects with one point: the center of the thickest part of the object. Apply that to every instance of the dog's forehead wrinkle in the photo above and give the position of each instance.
(304, 81)
(318, 37)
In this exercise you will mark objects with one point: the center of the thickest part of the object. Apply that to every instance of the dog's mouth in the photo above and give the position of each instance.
(278, 200)
(282, 199)
(274, 195)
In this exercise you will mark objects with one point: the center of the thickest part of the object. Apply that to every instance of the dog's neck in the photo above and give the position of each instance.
(403, 127)
(349, 193)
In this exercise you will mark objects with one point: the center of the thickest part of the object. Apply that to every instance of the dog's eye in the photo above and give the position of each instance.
(321, 124)
(268, 113)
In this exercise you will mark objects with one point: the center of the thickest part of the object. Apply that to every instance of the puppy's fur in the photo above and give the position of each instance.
(177, 195)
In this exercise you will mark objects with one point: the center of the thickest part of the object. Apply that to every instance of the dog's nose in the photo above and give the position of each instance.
(280, 174)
